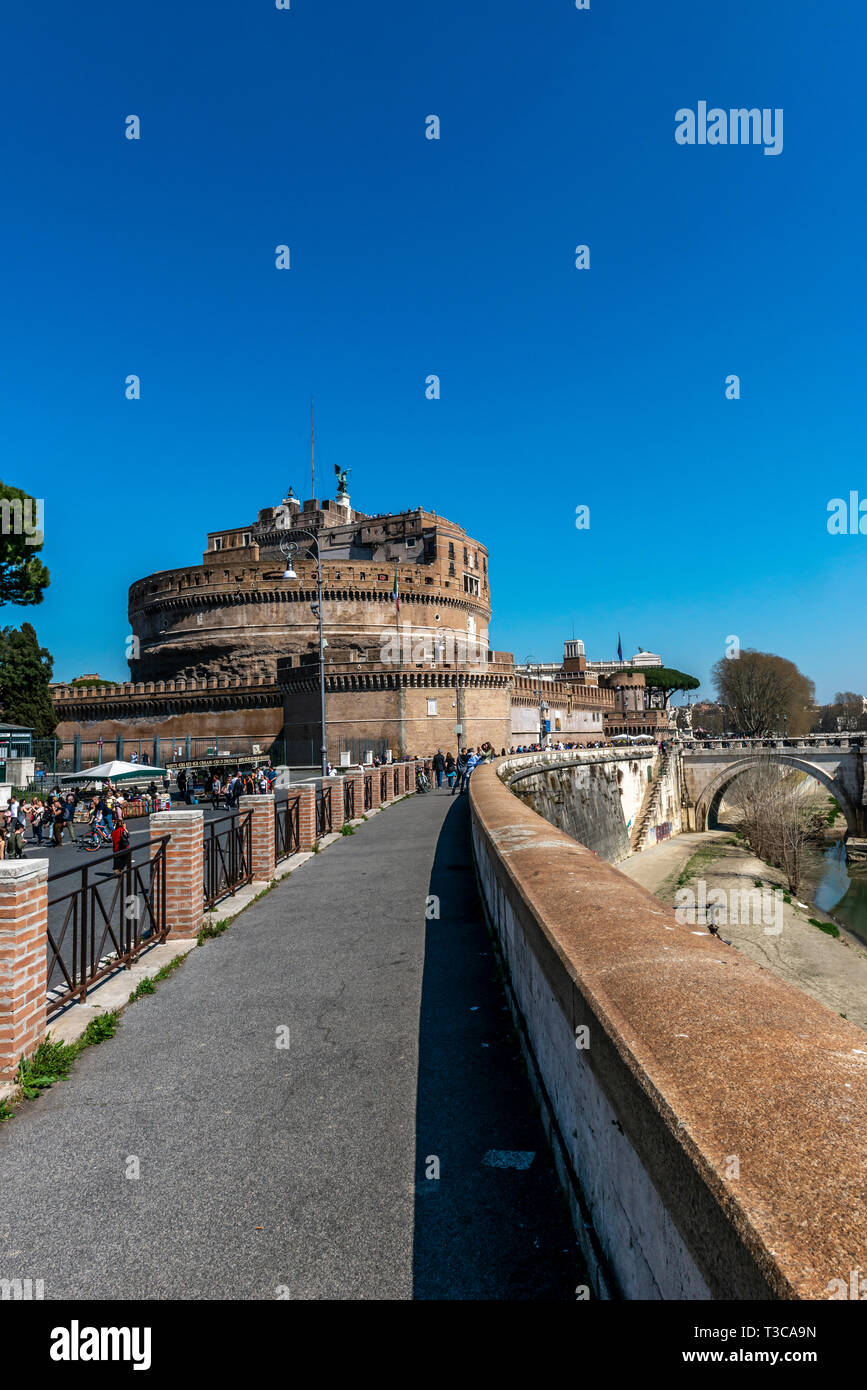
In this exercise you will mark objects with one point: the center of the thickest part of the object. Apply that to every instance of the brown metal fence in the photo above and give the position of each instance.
(324, 818)
(228, 856)
(368, 791)
(287, 836)
(348, 801)
(99, 920)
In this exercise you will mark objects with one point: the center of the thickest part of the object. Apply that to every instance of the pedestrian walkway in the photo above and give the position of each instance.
(268, 1171)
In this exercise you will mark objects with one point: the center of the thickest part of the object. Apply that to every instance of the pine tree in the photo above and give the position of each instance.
(25, 673)
(22, 574)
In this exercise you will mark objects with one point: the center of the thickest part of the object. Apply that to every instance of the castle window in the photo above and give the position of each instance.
(451, 550)
(451, 571)
(431, 706)
(218, 542)
(471, 584)
(247, 538)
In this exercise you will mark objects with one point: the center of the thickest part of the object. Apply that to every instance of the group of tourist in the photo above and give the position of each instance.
(53, 816)
(260, 781)
(454, 771)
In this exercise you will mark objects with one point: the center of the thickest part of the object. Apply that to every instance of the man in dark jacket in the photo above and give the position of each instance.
(439, 766)
(463, 764)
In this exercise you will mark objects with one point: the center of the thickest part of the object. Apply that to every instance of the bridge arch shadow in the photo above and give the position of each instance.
(711, 797)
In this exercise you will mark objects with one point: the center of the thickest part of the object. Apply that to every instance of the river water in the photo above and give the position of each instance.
(836, 890)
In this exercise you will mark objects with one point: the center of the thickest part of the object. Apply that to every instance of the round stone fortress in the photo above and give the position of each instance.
(234, 615)
(230, 647)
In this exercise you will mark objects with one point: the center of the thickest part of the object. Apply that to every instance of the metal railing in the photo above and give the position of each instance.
(368, 791)
(228, 855)
(103, 919)
(348, 800)
(287, 835)
(324, 819)
(383, 784)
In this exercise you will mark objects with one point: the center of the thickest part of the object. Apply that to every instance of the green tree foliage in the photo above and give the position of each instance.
(23, 577)
(765, 694)
(25, 673)
(666, 679)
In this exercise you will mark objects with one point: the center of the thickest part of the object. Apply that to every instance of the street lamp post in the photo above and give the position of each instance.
(290, 549)
(542, 705)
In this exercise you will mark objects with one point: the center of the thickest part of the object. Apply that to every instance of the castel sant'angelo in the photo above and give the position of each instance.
(230, 647)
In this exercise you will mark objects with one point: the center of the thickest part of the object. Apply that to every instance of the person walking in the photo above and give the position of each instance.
(15, 837)
(216, 788)
(69, 815)
(461, 771)
(121, 846)
(439, 766)
(474, 757)
(36, 817)
(450, 769)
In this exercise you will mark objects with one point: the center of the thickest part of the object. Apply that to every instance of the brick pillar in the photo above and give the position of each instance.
(262, 838)
(356, 779)
(306, 817)
(184, 868)
(411, 767)
(374, 787)
(23, 960)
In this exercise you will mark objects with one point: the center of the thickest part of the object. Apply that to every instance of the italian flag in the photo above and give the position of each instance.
(395, 593)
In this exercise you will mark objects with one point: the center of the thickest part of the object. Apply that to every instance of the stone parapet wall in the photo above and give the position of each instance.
(709, 1125)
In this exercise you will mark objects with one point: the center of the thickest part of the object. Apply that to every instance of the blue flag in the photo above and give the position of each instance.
(619, 648)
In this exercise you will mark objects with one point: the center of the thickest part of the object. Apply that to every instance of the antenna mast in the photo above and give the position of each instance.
(312, 452)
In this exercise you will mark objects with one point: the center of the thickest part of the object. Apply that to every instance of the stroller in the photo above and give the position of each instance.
(422, 781)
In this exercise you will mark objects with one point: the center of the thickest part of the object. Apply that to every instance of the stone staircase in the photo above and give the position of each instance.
(650, 804)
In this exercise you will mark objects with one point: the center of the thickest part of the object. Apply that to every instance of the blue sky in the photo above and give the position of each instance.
(560, 387)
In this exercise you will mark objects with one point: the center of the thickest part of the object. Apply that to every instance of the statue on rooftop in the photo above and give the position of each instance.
(342, 475)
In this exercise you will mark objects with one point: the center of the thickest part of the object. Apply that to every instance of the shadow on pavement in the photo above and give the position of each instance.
(481, 1231)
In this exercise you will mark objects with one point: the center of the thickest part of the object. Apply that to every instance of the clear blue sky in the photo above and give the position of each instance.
(409, 257)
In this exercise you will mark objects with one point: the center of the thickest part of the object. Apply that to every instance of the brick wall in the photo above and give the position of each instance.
(306, 817)
(23, 962)
(262, 835)
(184, 868)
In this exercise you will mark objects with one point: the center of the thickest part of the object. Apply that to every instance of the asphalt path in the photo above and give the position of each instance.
(327, 1101)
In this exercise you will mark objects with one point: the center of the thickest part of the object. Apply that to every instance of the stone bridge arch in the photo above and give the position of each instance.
(709, 799)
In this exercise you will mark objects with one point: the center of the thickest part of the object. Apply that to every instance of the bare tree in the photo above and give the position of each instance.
(764, 693)
(775, 817)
